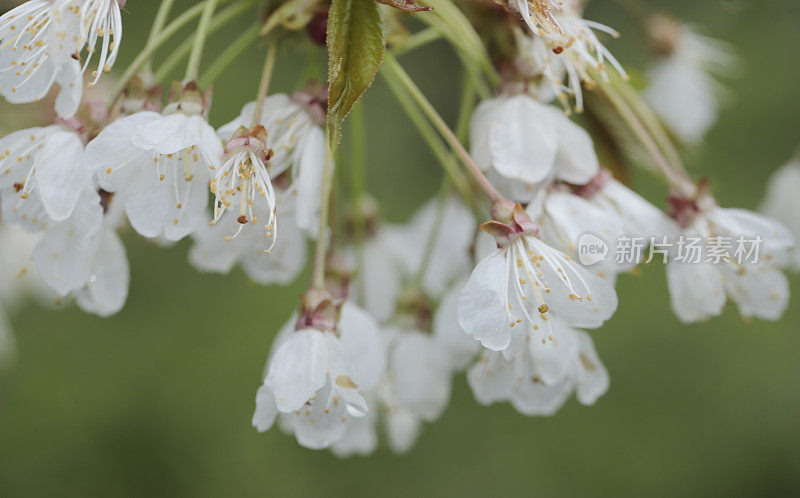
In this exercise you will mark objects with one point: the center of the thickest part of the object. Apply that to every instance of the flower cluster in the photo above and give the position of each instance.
(393, 311)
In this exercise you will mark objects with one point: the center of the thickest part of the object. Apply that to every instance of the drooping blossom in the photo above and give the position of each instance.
(158, 165)
(741, 259)
(564, 47)
(525, 284)
(538, 383)
(318, 372)
(42, 176)
(523, 143)
(295, 137)
(41, 43)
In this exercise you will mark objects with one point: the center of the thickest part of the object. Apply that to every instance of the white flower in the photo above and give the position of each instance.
(524, 284)
(245, 175)
(42, 176)
(533, 387)
(758, 287)
(41, 42)
(286, 259)
(683, 90)
(564, 46)
(316, 380)
(158, 165)
(526, 143)
(297, 143)
(783, 203)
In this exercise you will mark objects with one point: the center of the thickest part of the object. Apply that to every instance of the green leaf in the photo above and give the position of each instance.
(356, 42)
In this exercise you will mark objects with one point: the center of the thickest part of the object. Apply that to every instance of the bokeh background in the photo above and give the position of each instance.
(157, 400)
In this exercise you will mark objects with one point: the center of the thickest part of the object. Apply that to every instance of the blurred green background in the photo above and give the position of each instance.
(157, 400)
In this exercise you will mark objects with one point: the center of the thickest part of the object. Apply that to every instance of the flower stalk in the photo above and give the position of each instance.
(321, 250)
(263, 86)
(675, 176)
(193, 67)
(158, 25)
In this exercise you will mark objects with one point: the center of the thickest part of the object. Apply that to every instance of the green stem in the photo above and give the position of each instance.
(148, 50)
(675, 178)
(158, 25)
(263, 86)
(653, 125)
(220, 20)
(193, 67)
(399, 73)
(318, 278)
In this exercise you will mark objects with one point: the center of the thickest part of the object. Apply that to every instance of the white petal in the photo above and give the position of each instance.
(166, 135)
(64, 254)
(284, 262)
(70, 78)
(402, 429)
(420, 375)
(211, 252)
(360, 436)
(696, 291)
(309, 180)
(491, 378)
(361, 341)
(480, 125)
(576, 161)
(523, 141)
(682, 94)
(459, 346)
(553, 352)
(107, 288)
(592, 377)
(323, 422)
(266, 410)
(113, 149)
(147, 199)
(299, 367)
(380, 278)
(759, 290)
(61, 173)
(483, 303)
